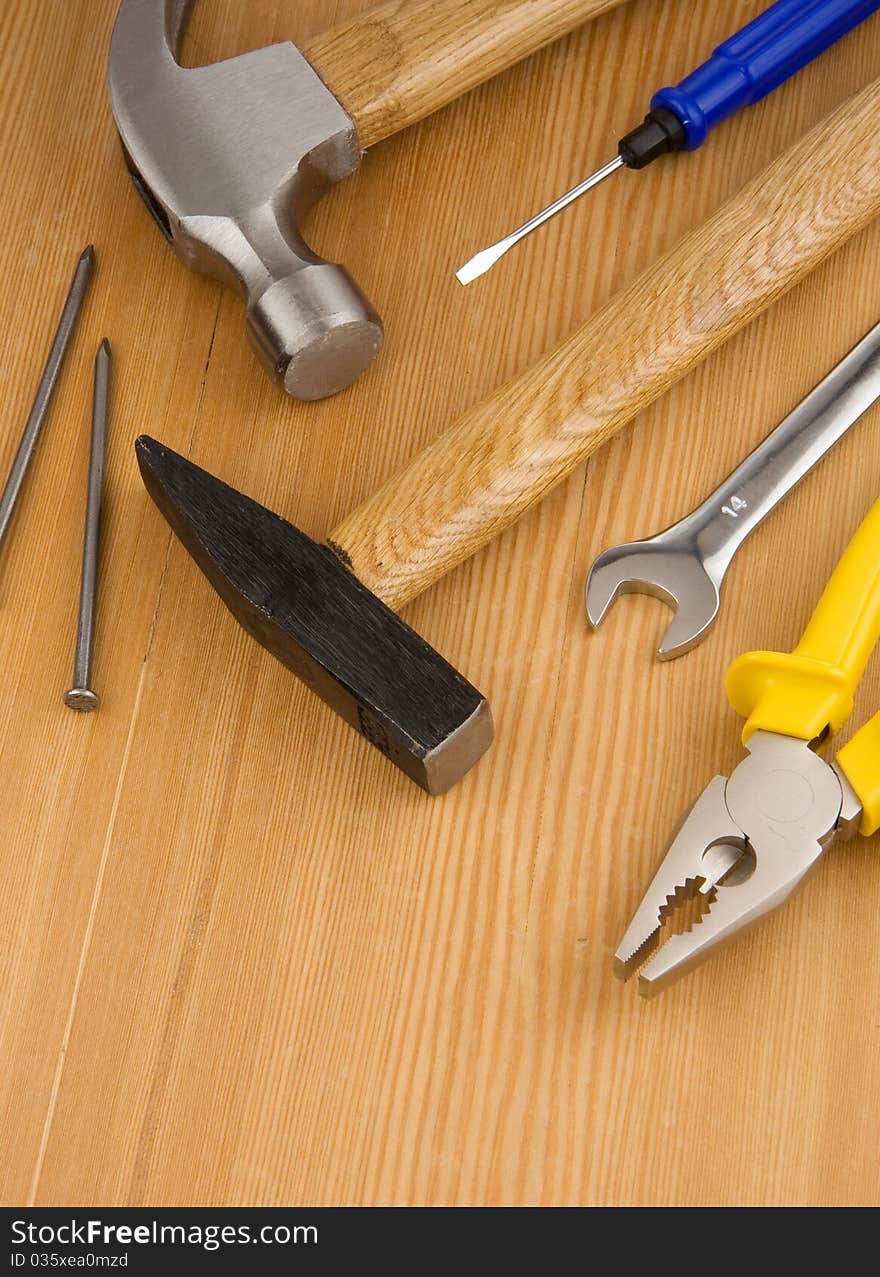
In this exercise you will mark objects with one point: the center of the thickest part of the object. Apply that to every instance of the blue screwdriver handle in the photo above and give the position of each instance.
(755, 61)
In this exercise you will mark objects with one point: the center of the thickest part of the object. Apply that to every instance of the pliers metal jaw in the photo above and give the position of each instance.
(746, 845)
(751, 839)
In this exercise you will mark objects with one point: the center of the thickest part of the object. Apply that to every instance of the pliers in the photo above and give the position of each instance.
(751, 838)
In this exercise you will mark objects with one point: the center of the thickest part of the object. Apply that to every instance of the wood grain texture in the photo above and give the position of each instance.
(241, 960)
(509, 452)
(401, 60)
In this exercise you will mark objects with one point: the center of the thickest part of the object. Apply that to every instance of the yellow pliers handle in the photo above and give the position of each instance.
(809, 691)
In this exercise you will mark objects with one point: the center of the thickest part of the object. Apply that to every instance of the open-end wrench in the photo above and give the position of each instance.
(685, 565)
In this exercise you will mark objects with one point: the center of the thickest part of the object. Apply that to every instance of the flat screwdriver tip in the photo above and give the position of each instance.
(482, 261)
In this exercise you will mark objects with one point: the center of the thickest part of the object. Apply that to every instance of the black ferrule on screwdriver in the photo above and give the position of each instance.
(661, 132)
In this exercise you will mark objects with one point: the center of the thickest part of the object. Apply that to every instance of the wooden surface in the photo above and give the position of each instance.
(399, 61)
(241, 959)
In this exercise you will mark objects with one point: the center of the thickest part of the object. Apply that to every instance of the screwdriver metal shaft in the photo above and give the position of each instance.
(82, 696)
(48, 381)
(487, 257)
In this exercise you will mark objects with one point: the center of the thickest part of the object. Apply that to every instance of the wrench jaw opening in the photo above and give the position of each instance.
(666, 572)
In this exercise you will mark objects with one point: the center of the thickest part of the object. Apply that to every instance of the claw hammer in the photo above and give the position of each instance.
(229, 157)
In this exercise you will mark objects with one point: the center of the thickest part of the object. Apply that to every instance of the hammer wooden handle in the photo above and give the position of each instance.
(406, 58)
(507, 453)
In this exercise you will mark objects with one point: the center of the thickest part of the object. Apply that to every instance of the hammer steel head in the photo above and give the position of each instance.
(227, 157)
(670, 569)
(298, 600)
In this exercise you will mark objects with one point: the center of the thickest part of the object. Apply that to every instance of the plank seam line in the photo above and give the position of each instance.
(154, 620)
(557, 692)
(86, 945)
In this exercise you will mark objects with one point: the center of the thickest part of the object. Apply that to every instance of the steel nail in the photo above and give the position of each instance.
(82, 696)
(34, 425)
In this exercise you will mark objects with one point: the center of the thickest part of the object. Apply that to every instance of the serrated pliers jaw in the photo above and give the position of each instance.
(746, 845)
(707, 841)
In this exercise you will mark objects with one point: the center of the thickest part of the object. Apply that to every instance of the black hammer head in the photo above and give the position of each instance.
(228, 157)
(298, 600)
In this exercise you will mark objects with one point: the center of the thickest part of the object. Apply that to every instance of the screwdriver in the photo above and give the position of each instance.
(742, 71)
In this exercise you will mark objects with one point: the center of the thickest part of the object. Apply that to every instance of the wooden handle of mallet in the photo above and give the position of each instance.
(507, 453)
(406, 58)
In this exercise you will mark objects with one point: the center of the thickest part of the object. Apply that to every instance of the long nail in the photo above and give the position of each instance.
(34, 425)
(82, 696)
